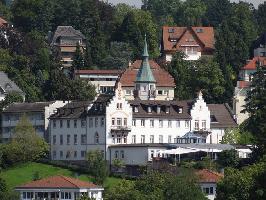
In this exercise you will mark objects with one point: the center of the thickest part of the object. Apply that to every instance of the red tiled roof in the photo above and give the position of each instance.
(162, 77)
(252, 64)
(3, 22)
(58, 182)
(243, 84)
(204, 38)
(207, 176)
(99, 71)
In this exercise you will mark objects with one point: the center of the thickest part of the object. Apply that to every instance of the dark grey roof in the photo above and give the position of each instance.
(223, 117)
(206, 146)
(6, 85)
(27, 107)
(72, 110)
(66, 31)
(172, 105)
(141, 145)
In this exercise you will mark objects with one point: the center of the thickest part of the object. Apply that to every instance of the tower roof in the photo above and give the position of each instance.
(145, 73)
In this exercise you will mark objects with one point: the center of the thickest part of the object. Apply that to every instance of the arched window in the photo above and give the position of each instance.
(96, 138)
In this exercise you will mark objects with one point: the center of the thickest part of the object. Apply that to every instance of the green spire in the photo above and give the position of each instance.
(145, 73)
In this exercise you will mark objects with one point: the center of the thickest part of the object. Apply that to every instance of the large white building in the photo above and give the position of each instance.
(113, 120)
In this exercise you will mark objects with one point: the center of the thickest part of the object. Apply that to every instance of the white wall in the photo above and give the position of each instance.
(208, 185)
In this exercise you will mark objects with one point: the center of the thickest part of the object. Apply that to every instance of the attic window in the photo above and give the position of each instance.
(149, 109)
(213, 119)
(180, 110)
(167, 109)
(136, 109)
(158, 109)
(199, 30)
(171, 30)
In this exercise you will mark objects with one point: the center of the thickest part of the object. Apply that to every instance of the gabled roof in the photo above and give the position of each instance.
(145, 74)
(222, 115)
(7, 85)
(205, 36)
(58, 182)
(207, 176)
(162, 77)
(27, 107)
(66, 31)
(252, 64)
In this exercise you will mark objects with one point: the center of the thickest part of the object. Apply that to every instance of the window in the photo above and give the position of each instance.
(119, 122)
(96, 121)
(102, 122)
(160, 92)
(204, 124)
(142, 122)
(187, 124)
(54, 123)
(118, 139)
(142, 139)
(167, 109)
(68, 123)
(54, 154)
(75, 123)
(82, 154)
(133, 122)
(160, 138)
(75, 154)
(158, 109)
(160, 123)
(61, 123)
(128, 92)
(66, 195)
(91, 122)
(122, 154)
(149, 109)
(125, 121)
(113, 139)
(152, 139)
(54, 139)
(196, 124)
(83, 123)
(83, 139)
(61, 139)
(151, 123)
(180, 110)
(136, 109)
(152, 153)
(119, 106)
(169, 124)
(96, 138)
(133, 139)
(68, 139)
(61, 154)
(169, 139)
(177, 124)
(116, 154)
(125, 139)
(75, 139)
(113, 121)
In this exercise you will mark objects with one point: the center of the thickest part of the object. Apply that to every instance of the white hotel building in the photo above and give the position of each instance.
(124, 128)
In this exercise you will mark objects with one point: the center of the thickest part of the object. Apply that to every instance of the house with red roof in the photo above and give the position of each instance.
(3, 22)
(208, 182)
(193, 41)
(243, 86)
(59, 187)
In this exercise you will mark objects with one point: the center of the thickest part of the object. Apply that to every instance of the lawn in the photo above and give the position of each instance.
(24, 173)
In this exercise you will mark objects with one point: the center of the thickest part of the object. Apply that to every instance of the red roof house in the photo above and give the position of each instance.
(193, 41)
(3, 22)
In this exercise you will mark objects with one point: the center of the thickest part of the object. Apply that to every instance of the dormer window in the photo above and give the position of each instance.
(167, 109)
(135, 109)
(101, 107)
(180, 110)
(171, 30)
(158, 109)
(199, 30)
(149, 109)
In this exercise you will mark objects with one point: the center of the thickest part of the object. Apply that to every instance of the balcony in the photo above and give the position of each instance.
(120, 129)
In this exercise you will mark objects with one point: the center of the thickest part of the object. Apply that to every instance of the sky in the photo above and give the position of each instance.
(137, 3)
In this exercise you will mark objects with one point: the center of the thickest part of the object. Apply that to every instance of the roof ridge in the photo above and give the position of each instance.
(66, 178)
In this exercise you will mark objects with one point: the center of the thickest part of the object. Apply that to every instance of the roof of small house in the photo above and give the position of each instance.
(252, 64)
(98, 72)
(8, 85)
(27, 107)
(162, 77)
(207, 176)
(66, 31)
(3, 22)
(221, 116)
(58, 182)
(204, 35)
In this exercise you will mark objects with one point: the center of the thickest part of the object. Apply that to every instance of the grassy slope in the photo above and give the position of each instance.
(24, 173)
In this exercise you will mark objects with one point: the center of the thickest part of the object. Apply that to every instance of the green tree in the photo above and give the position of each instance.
(25, 145)
(97, 166)
(78, 60)
(261, 17)
(256, 107)
(194, 11)
(228, 158)
(11, 97)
